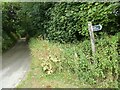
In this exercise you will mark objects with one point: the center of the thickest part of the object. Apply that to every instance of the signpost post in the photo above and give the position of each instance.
(91, 29)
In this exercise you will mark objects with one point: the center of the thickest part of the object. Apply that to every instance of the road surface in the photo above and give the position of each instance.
(15, 64)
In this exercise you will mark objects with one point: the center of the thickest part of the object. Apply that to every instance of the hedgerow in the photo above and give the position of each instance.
(69, 21)
(9, 25)
(63, 21)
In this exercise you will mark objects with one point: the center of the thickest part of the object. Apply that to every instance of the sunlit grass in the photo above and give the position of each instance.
(56, 65)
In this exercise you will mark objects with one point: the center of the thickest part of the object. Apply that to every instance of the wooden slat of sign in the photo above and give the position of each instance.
(90, 28)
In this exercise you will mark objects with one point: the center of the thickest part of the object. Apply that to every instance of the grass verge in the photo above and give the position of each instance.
(56, 65)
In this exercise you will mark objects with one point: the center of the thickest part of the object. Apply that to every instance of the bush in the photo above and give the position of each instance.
(69, 21)
(7, 41)
(9, 24)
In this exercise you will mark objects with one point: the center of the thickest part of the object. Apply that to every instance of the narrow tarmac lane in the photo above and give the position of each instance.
(15, 64)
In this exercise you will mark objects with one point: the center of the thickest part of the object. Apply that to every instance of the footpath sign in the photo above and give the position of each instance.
(91, 29)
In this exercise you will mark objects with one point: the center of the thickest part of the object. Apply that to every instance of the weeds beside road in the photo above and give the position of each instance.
(58, 65)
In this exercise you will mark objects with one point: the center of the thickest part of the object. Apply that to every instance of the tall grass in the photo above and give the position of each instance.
(100, 69)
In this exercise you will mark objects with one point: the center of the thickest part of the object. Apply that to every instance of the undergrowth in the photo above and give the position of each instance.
(74, 63)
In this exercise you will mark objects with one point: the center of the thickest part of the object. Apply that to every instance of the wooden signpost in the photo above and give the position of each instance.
(91, 29)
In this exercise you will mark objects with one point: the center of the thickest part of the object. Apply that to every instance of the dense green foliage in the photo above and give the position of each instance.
(9, 25)
(64, 22)
(98, 71)
(68, 22)
(32, 18)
